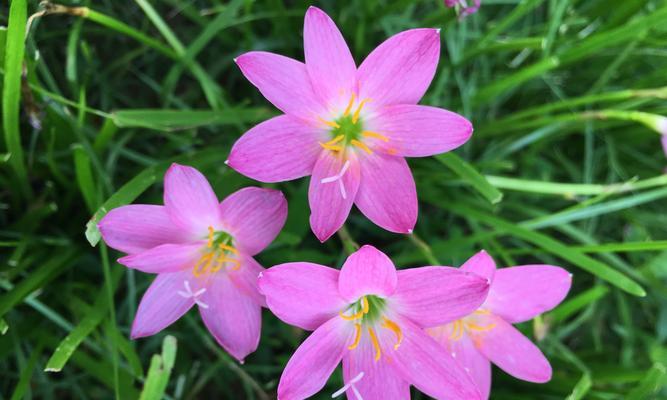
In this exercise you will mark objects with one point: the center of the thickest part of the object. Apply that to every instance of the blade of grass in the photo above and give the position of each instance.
(159, 371)
(169, 120)
(26, 374)
(572, 189)
(84, 176)
(469, 174)
(650, 385)
(581, 388)
(571, 306)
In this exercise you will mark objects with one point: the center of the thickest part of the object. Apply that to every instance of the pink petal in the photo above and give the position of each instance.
(232, 317)
(367, 271)
(400, 70)
(429, 367)
(514, 353)
(387, 194)
(328, 59)
(418, 131)
(432, 296)
(164, 258)
(663, 140)
(481, 264)
(245, 278)
(520, 293)
(279, 149)
(379, 381)
(302, 294)
(254, 217)
(330, 203)
(136, 228)
(313, 362)
(283, 81)
(190, 200)
(162, 304)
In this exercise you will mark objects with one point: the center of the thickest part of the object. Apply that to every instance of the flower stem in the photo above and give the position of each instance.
(425, 249)
(348, 242)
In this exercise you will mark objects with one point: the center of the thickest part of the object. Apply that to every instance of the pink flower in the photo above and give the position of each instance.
(202, 252)
(516, 295)
(349, 128)
(371, 317)
(465, 5)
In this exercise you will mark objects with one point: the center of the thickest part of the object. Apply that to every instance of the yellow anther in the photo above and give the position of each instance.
(474, 327)
(393, 326)
(351, 317)
(375, 135)
(376, 344)
(357, 337)
(364, 304)
(360, 145)
(328, 123)
(349, 106)
(237, 263)
(355, 117)
(204, 261)
(482, 312)
(211, 232)
(228, 248)
(331, 147)
(457, 330)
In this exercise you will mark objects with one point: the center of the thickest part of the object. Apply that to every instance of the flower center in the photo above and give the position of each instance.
(469, 325)
(366, 313)
(218, 252)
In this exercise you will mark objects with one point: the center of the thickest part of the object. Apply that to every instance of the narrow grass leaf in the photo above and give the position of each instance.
(21, 389)
(170, 120)
(159, 371)
(470, 175)
(84, 176)
(650, 385)
(581, 388)
(571, 306)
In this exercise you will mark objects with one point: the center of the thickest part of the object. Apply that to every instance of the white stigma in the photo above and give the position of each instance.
(350, 385)
(189, 294)
(339, 178)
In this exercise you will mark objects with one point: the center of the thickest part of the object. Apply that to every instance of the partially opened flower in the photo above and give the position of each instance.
(371, 317)
(487, 336)
(466, 7)
(202, 252)
(349, 128)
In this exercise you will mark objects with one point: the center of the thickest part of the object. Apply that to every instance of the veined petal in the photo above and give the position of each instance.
(232, 317)
(190, 200)
(367, 271)
(481, 264)
(302, 294)
(245, 278)
(387, 194)
(162, 303)
(418, 131)
(400, 70)
(331, 194)
(254, 217)
(283, 81)
(520, 293)
(279, 149)
(432, 296)
(314, 361)
(164, 258)
(379, 380)
(136, 228)
(328, 59)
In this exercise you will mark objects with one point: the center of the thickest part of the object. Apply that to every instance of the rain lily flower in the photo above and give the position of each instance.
(467, 7)
(517, 294)
(350, 128)
(371, 317)
(201, 251)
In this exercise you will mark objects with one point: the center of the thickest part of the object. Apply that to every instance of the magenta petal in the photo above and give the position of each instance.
(387, 194)
(418, 131)
(136, 228)
(520, 293)
(314, 361)
(190, 200)
(245, 278)
(367, 271)
(302, 294)
(514, 353)
(283, 81)
(400, 70)
(328, 59)
(429, 367)
(481, 264)
(232, 317)
(254, 217)
(663, 140)
(279, 149)
(379, 380)
(331, 195)
(432, 296)
(162, 304)
(164, 258)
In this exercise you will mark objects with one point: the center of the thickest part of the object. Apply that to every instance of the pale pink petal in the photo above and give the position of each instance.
(254, 217)
(165, 258)
(136, 228)
(432, 296)
(302, 294)
(429, 367)
(190, 200)
(232, 317)
(330, 201)
(283, 81)
(400, 70)
(367, 271)
(379, 380)
(163, 303)
(387, 194)
(279, 149)
(328, 59)
(663, 140)
(313, 362)
(520, 293)
(510, 350)
(245, 278)
(417, 131)
(481, 264)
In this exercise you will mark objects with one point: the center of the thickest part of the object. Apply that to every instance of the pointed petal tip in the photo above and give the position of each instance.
(438, 31)
(226, 162)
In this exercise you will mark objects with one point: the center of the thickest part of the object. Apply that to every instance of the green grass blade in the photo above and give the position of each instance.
(571, 306)
(26, 375)
(571, 189)
(170, 120)
(650, 385)
(84, 176)
(3, 43)
(159, 371)
(469, 174)
(581, 388)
